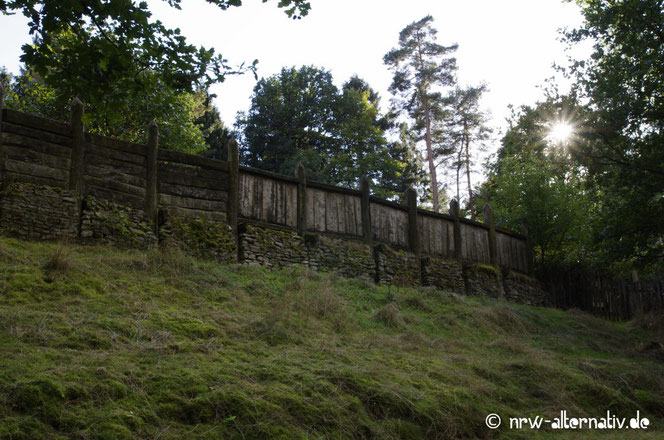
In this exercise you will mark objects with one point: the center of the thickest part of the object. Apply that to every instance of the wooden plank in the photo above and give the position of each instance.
(28, 155)
(175, 178)
(193, 192)
(36, 145)
(116, 186)
(186, 202)
(118, 197)
(193, 160)
(128, 168)
(367, 233)
(117, 144)
(33, 134)
(26, 178)
(31, 169)
(245, 195)
(187, 170)
(36, 122)
(115, 175)
(176, 211)
(233, 203)
(353, 207)
(117, 155)
(301, 175)
(331, 212)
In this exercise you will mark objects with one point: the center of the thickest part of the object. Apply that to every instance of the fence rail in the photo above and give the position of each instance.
(45, 152)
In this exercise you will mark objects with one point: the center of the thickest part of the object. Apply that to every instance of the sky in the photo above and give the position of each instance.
(510, 45)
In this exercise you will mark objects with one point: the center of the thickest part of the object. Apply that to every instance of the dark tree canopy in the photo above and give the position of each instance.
(624, 84)
(299, 115)
(105, 49)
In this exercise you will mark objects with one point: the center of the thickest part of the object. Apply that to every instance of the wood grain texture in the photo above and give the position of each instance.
(32, 121)
(193, 192)
(436, 236)
(191, 203)
(390, 225)
(31, 169)
(192, 160)
(34, 144)
(32, 133)
(117, 144)
(334, 212)
(32, 155)
(268, 200)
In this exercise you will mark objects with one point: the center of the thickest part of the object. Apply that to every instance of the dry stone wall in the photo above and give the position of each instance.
(350, 258)
(443, 274)
(37, 212)
(200, 236)
(523, 289)
(397, 267)
(103, 221)
(270, 247)
(483, 280)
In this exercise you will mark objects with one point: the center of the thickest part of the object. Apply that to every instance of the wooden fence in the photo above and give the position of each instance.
(602, 293)
(46, 152)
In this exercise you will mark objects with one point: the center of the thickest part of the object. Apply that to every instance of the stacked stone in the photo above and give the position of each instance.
(350, 258)
(442, 274)
(482, 280)
(271, 247)
(523, 289)
(199, 236)
(35, 212)
(399, 268)
(107, 222)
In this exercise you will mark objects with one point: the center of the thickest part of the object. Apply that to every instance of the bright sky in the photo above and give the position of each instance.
(509, 44)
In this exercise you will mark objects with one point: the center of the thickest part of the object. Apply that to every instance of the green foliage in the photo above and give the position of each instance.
(463, 136)
(129, 344)
(175, 112)
(623, 82)
(541, 184)
(117, 41)
(299, 115)
(421, 69)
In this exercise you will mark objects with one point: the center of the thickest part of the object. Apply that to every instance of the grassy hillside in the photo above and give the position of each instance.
(98, 343)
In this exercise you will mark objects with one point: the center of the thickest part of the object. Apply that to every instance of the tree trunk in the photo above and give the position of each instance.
(470, 189)
(432, 166)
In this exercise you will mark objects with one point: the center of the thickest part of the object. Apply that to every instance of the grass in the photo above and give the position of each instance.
(98, 343)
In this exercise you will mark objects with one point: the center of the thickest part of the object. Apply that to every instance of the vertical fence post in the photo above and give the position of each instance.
(301, 174)
(77, 147)
(487, 213)
(367, 233)
(151, 185)
(530, 264)
(413, 234)
(454, 212)
(233, 185)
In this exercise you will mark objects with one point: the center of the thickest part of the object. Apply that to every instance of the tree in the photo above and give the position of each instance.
(216, 135)
(534, 181)
(125, 67)
(116, 39)
(624, 84)
(421, 68)
(176, 112)
(299, 115)
(465, 134)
